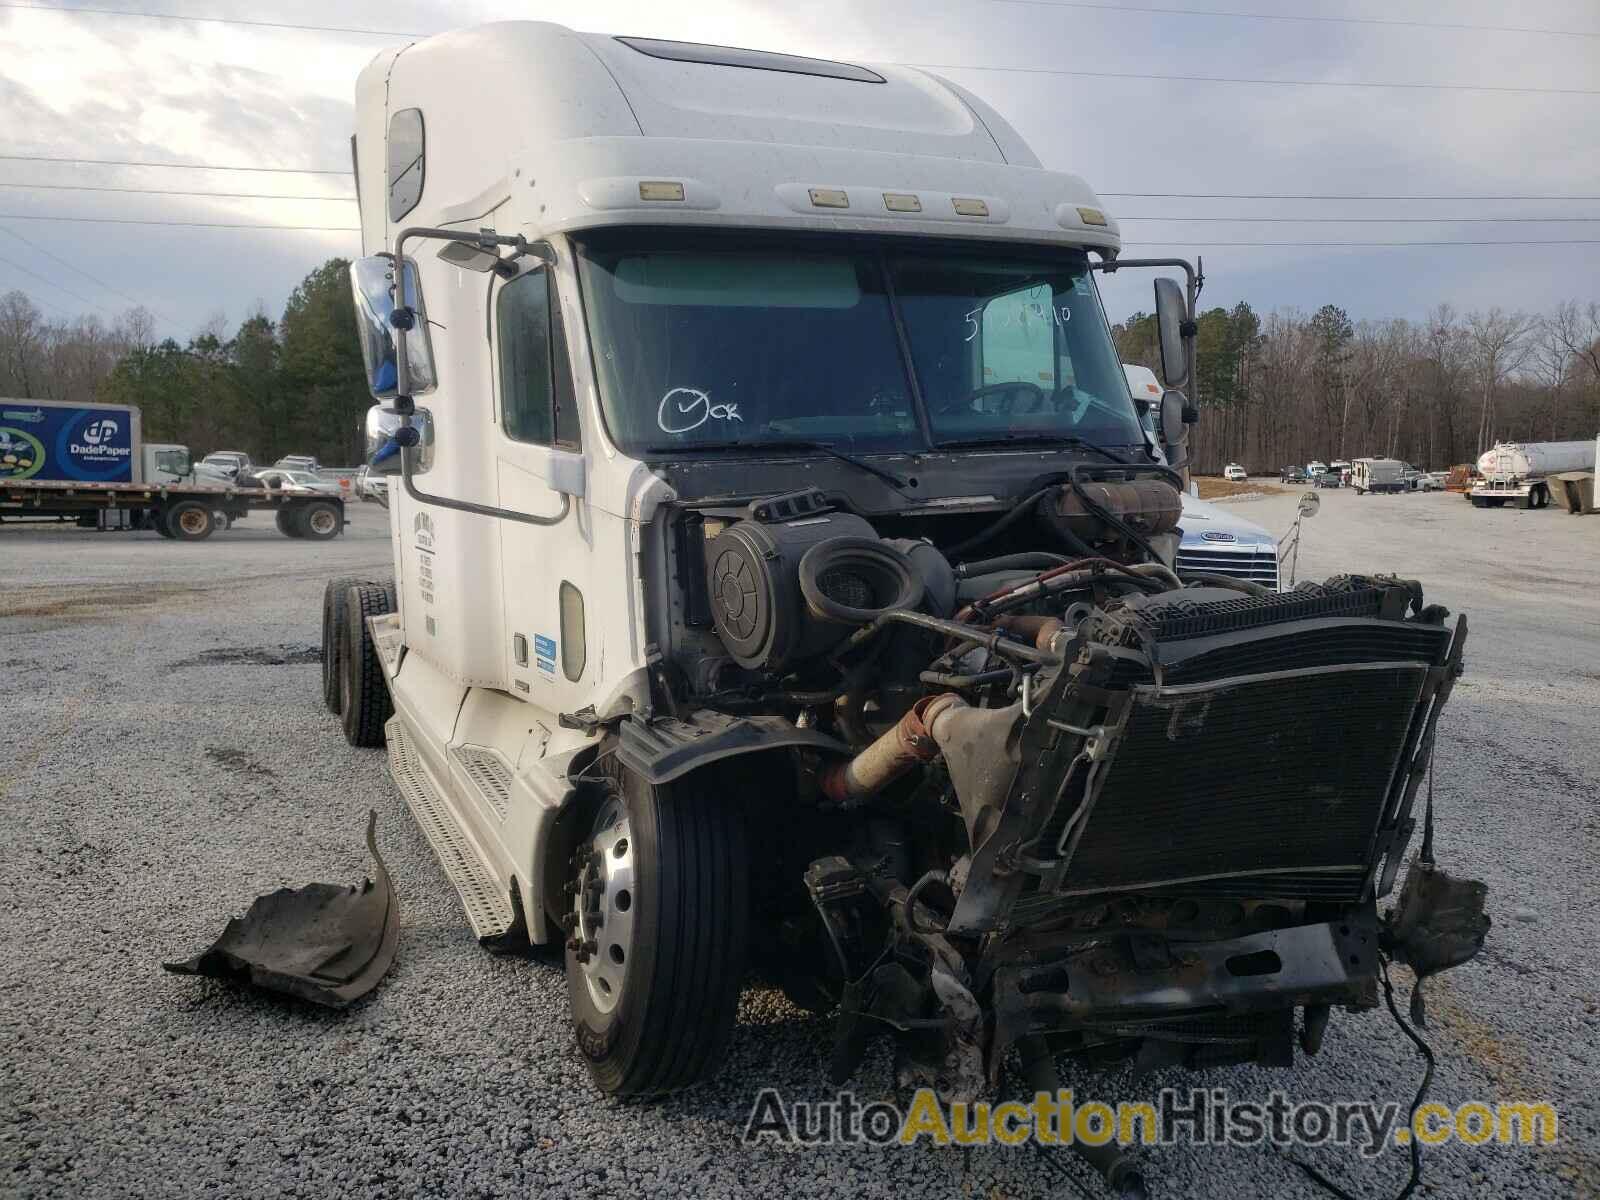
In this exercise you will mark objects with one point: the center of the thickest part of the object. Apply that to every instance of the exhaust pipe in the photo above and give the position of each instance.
(909, 743)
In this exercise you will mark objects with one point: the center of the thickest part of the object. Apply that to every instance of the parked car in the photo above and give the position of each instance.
(227, 462)
(372, 485)
(1432, 481)
(1327, 478)
(1234, 473)
(1293, 474)
(299, 462)
(296, 481)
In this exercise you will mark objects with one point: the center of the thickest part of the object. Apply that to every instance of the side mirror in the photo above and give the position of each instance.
(383, 453)
(372, 283)
(1174, 417)
(1310, 502)
(1171, 313)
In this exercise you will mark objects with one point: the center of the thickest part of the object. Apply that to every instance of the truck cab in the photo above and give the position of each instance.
(762, 474)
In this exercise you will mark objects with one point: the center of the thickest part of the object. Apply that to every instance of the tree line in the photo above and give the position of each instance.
(291, 386)
(1282, 389)
(1291, 387)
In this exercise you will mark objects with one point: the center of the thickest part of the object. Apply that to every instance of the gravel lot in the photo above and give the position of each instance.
(170, 759)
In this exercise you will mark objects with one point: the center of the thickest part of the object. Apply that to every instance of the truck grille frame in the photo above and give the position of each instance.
(1259, 563)
(1314, 710)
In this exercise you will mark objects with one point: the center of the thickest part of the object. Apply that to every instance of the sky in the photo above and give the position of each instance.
(110, 86)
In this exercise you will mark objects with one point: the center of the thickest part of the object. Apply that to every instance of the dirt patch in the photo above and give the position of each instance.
(87, 599)
(239, 762)
(1213, 487)
(253, 656)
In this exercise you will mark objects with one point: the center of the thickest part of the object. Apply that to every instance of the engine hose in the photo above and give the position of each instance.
(990, 639)
(1159, 570)
(1019, 510)
(1038, 560)
(939, 679)
(1248, 586)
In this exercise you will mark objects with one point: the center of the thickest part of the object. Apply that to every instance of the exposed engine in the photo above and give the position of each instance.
(1050, 789)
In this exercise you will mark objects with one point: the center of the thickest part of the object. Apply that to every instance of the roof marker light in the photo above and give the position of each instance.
(969, 208)
(901, 202)
(656, 189)
(1092, 216)
(829, 198)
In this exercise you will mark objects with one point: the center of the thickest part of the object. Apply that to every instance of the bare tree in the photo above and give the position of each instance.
(1500, 342)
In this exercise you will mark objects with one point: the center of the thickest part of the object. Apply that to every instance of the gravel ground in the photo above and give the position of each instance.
(170, 759)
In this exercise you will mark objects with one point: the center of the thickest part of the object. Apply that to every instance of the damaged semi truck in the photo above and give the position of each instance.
(783, 583)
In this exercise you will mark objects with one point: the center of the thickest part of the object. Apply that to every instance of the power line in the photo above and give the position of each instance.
(91, 278)
(1368, 220)
(1302, 196)
(119, 12)
(129, 162)
(1259, 16)
(1324, 83)
(79, 187)
(51, 283)
(187, 224)
(1450, 87)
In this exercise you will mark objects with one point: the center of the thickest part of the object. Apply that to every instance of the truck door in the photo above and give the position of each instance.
(546, 571)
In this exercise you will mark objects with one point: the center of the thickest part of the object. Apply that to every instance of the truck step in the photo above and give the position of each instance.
(488, 907)
(488, 773)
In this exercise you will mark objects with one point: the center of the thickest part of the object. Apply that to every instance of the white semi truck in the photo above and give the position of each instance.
(782, 579)
(1518, 472)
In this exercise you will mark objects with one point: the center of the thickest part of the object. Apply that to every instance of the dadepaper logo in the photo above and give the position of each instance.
(96, 432)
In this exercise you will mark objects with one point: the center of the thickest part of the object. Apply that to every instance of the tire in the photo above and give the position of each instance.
(190, 521)
(333, 630)
(223, 520)
(288, 525)
(364, 701)
(1540, 497)
(674, 990)
(321, 520)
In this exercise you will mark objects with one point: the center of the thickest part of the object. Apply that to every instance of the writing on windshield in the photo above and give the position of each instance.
(709, 339)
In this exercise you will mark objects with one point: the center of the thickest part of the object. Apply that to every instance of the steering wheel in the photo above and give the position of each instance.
(964, 403)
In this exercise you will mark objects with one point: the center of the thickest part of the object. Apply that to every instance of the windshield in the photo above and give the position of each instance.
(704, 340)
(172, 462)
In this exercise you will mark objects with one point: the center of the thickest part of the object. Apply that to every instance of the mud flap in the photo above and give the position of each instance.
(1438, 923)
(325, 943)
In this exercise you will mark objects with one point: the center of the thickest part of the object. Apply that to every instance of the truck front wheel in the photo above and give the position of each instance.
(659, 926)
(190, 521)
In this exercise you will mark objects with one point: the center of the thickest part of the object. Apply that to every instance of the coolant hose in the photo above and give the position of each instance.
(1248, 586)
(908, 743)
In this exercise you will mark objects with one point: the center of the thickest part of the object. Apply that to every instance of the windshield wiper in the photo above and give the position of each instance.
(1030, 439)
(827, 448)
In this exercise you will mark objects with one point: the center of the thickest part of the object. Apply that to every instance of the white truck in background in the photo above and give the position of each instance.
(1518, 472)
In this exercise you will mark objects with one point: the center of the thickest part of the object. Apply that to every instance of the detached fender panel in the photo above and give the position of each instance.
(325, 943)
(663, 748)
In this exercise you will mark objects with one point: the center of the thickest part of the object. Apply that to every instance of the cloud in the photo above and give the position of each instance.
(112, 87)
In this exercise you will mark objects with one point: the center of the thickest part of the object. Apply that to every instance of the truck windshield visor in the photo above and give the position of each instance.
(706, 340)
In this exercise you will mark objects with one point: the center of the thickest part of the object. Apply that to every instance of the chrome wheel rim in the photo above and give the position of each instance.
(604, 905)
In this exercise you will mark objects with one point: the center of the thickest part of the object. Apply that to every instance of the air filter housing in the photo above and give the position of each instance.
(759, 608)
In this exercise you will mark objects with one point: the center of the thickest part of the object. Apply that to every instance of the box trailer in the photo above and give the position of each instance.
(89, 464)
(1379, 475)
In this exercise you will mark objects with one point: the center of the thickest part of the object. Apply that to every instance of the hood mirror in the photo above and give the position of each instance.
(1310, 502)
(383, 452)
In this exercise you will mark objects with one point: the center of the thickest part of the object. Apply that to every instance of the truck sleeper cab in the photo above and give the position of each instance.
(762, 474)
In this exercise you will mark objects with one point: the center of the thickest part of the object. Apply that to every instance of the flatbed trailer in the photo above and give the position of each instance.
(184, 512)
